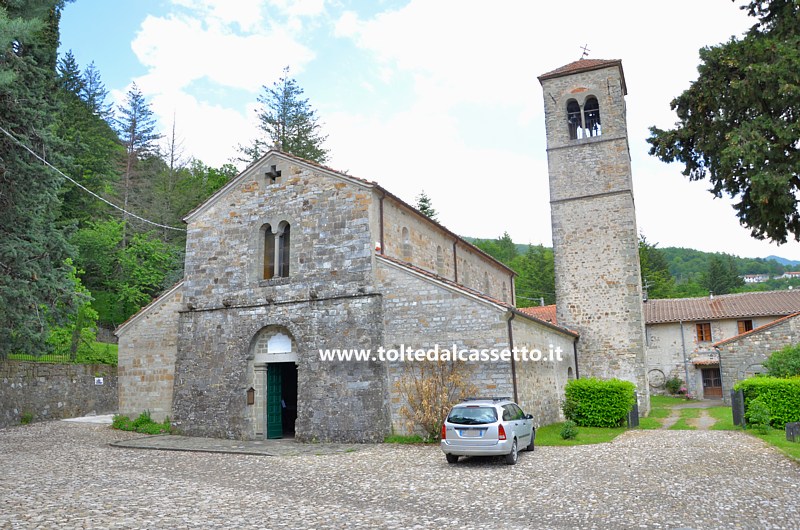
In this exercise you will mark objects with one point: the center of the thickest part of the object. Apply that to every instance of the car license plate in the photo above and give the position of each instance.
(471, 433)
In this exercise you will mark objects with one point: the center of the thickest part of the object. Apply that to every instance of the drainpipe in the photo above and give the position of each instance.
(513, 362)
(685, 360)
(575, 354)
(380, 210)
(455, 262)
(721, 380)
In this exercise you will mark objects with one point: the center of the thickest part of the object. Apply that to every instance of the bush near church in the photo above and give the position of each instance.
(781, 396)
(592, 402)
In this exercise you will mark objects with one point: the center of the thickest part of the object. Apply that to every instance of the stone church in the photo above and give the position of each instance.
(292, 258)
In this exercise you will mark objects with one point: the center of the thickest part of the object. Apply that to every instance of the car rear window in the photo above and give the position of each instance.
(472, 415)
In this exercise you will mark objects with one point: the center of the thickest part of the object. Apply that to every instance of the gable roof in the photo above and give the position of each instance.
(472, 292)
(586, 65)
(146, 309)
(753, 331)
(739, 305)
(248, 172)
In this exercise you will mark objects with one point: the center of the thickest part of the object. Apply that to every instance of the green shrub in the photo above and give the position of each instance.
(593, 402)
(568, 430)
(758, 415)
(781, 396)
(26, 418)
(143, 424)
(674, 385)
(784, 363)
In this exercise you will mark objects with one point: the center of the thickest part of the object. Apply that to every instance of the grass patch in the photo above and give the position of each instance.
(681, 425)
(690, 413)
(660, 413)
(724, 418)
(665, 401)
(550, 435)
(143, 424)
(649, 423)
(777, 438)
(407, 439)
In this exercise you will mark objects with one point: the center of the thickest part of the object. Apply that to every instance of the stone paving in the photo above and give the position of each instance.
(66, 475)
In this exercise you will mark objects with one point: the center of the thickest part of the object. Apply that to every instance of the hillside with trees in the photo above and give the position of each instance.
(92, 196)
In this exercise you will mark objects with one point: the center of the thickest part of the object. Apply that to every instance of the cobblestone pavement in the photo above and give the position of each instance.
(65, 475)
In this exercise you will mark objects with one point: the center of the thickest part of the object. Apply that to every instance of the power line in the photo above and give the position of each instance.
(87, 190)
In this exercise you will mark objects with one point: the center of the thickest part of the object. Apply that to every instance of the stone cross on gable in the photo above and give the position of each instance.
(586, 51)
(273, 173)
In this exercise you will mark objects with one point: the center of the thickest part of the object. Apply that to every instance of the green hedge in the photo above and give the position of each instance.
(593, 402)
(782, 396)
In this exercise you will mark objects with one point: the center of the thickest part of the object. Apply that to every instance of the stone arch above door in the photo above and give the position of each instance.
(274, 344)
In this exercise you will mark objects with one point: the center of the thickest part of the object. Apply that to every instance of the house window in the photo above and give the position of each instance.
(269, 252)
(585, 122)
(284, 245)
(745, 326)
(704, 332)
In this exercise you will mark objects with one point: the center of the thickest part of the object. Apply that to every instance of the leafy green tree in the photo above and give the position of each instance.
(36, 292)
(137, 131)
(739, 122)
(425, 205)
(656, 277)
(536, 276)
(502, 249)
(784, 362)
(75, 339)
(721, 277)
(287, 122)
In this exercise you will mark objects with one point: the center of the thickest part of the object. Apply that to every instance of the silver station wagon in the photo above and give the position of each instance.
(487, 427)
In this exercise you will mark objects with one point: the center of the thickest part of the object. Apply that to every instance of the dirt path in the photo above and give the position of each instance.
(702, 423)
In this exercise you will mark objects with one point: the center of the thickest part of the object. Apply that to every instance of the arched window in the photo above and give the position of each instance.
(485, 282)
(284, 245)
(583, 122)
(570, 374)
(406, 244)
(439, 260)
(591, 117)
(269, 252)
(574, 119)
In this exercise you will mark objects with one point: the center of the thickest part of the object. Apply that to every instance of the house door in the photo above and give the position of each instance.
(712, 383)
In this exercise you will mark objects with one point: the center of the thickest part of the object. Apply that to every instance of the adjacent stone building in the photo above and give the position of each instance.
(711, 342)
(291, 259)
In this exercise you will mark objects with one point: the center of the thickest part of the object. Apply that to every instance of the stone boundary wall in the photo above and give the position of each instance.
(55, 391)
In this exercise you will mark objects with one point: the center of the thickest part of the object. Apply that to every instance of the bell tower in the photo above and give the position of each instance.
(595, 240)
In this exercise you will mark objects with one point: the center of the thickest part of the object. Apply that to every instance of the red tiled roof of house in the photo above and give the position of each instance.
(542, 312)
(739, 305)
(585, 65)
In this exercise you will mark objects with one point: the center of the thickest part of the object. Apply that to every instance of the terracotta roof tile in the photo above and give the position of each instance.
(739, 305)
(756, 330)
(581, 65)
(544, 312)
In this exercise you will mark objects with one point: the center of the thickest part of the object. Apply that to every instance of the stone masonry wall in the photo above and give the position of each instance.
(431, 248)
(55, 391)
(148, 346)
(540, 384)
(421, 313)
(742, 358)
(336, 401)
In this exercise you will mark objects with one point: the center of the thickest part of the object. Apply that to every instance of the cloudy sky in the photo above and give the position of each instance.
(425, 94)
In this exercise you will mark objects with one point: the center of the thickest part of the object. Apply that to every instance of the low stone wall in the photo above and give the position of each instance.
(55, 391)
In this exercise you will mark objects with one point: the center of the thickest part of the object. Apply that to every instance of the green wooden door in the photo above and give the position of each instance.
(274, 409)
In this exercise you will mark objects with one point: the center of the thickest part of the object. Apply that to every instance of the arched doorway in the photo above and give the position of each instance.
(275, 382)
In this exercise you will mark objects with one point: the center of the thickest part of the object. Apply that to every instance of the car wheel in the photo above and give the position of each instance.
(451, 459)
(511, 458)
(531, 446)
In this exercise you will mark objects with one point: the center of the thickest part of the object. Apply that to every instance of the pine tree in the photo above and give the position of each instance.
(287, 123)
(36, 290)
(137, 131)
(425, 205)
(94, 93)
